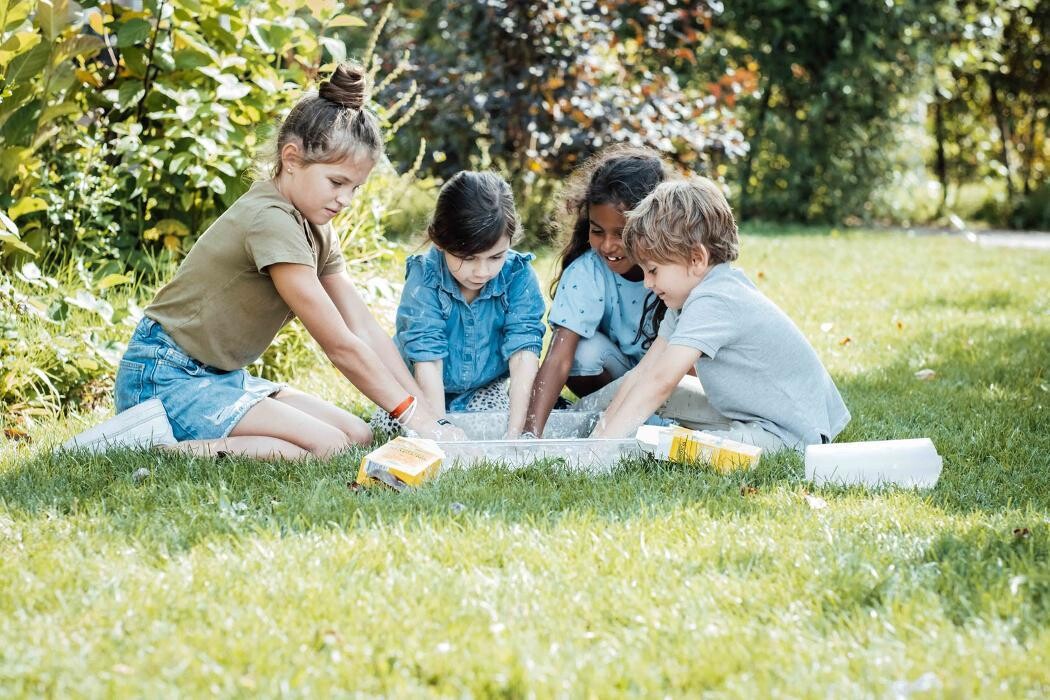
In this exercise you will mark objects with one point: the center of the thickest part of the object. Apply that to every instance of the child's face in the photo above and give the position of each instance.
(474, 271)
(673, 282)
(606, 236)
(322, 190)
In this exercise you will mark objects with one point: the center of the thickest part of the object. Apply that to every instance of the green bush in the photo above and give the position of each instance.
(60, 339)
(126, 132)
(1033, 211)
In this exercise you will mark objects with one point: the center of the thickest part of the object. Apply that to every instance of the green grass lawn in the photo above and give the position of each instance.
(239, 578)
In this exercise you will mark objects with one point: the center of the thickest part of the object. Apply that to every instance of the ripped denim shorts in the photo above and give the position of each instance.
(202, 402)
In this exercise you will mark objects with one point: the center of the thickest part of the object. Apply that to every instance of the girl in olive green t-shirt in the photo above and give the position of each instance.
(272, 256)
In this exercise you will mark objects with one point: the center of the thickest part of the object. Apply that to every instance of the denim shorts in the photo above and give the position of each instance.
(202, 402)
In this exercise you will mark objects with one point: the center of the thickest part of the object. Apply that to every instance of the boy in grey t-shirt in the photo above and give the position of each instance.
(757, 378)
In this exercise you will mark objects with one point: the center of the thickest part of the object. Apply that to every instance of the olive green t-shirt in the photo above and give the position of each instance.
(222, 307)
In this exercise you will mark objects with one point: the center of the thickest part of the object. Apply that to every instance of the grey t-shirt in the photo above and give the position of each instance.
(756, 366)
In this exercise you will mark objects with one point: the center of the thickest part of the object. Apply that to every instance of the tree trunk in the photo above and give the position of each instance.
(1004, 132)
(754, 146)
(941, 164)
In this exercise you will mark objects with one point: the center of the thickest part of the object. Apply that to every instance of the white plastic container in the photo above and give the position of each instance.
(901, 462)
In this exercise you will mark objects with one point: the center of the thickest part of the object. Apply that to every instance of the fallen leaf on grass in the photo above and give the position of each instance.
(846, 341)
(815, 502)
(900, 326)
(746, 490)
(17, 434)
(925, 374)
(328, 638)
(1022, 533)
(761, 275)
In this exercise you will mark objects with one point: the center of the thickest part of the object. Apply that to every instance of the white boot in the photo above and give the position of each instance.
(143, 425)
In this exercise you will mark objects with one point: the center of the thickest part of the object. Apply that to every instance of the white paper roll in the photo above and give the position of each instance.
(902, 462)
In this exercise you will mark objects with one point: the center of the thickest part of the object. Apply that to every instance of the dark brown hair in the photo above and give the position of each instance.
(474, 210)
(331, 124)
(620, 175)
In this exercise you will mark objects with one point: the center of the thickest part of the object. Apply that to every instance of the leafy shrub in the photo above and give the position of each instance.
(60, 339)
(126, 132)
(1033, 211)
(533, 88)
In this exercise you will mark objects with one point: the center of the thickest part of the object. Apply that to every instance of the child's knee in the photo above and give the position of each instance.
(598, 354)
(358, 433)
(354, 429)
(326, 441)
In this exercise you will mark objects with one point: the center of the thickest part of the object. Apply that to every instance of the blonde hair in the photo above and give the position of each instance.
(677, 219)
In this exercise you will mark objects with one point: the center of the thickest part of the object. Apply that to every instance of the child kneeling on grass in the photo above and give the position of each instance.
(471, 312)
(602, 318)
(758, 380)
(270, 257)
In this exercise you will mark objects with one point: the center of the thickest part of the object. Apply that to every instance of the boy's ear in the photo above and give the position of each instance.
(701, 257)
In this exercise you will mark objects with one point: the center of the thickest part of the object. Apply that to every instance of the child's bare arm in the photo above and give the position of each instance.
(551, 379)
(350, 353)
(647, 392)
(432, 382)
(358, 318)
(523, 367)
(649, 360)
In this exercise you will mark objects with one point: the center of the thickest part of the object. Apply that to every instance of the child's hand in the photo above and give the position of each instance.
(448, 433)
(522, 435)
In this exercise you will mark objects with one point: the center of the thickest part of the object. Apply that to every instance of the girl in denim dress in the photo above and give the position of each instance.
(471, 313)
(269, 258)
(601, 316)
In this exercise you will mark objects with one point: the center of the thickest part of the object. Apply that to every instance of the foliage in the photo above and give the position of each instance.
(60, 340)
(151, 117)
(532, 88)
(992, 99)
(832, 77)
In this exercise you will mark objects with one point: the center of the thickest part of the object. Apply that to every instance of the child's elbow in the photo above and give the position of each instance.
(345, 348)
(663, 384)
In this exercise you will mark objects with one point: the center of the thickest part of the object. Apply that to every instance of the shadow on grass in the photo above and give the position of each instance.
(185, 500)
(985, 411)
(982, 568)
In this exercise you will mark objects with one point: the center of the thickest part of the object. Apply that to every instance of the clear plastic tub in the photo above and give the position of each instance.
(564, 442)
(594, 456)
(492, 425)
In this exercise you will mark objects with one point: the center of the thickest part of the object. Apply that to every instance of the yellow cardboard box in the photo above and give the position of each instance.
(677, 444)
(401, 463)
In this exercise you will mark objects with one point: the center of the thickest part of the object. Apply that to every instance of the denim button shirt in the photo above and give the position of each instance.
(474, 341)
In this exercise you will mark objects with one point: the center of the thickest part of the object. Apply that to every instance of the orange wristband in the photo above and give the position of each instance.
(402, 407)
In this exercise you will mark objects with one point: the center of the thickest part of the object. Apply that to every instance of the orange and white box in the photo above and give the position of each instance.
(401, 463)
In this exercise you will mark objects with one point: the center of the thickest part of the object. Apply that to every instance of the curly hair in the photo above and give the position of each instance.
(621, 175)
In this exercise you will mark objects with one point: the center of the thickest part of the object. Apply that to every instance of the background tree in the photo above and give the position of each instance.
(832, 77)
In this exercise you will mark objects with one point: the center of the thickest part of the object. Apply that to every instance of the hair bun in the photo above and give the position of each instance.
(347, 87)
